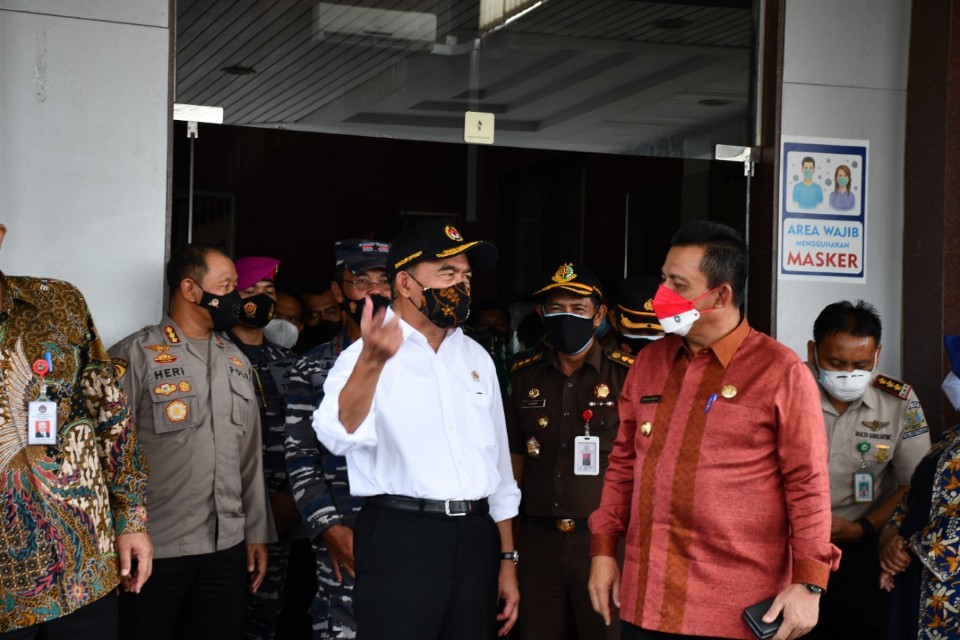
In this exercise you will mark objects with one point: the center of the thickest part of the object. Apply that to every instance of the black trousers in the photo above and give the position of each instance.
(189, 597)
(854, 606)
(95, 621)
(554, 601)
(424, 576)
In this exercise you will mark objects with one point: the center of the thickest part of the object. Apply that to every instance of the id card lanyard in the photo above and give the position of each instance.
(863, 479)
(42, 413)
(586, 450)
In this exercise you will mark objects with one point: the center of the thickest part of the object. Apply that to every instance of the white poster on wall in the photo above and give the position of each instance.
(823, 209)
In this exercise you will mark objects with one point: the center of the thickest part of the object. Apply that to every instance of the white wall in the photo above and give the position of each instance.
(83, 150)
(845, 76)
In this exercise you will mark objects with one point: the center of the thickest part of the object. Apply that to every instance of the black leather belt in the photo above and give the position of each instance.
(423, 505)
(563, 525)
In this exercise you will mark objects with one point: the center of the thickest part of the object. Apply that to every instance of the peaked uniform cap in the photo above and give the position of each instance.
(573, 278)
(436, 240)
(635, 303)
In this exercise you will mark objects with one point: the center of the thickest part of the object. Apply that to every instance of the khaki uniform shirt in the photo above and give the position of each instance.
(199, 425)
(544, 415)
(890, 420)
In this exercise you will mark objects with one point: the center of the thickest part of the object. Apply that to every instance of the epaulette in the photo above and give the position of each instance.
(525, 362)
(891, 386)
(621, 358)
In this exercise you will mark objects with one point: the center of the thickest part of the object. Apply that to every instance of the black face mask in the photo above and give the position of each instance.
(320, 333)
(257, 310)
(446, 307)
(354, 308)
(568, 332)
(224, 310)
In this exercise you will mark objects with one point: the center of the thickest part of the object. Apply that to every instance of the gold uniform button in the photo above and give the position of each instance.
(646, 428)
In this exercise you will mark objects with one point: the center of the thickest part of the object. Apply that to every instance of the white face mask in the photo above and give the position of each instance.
(951, 387)
(282, 333)
(845, 386)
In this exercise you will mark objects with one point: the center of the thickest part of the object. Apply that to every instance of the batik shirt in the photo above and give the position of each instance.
(937, 544)
(318, 478)
(63, 504)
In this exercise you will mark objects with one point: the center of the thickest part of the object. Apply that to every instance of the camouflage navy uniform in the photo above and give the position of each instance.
(271, 363)
(319, 482)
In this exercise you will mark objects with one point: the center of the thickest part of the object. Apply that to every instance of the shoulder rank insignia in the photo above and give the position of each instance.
(621, 358)
(120, 368)
(236, 361)
(171, 334)
(893, 387)
(524, 362)
(159, 348)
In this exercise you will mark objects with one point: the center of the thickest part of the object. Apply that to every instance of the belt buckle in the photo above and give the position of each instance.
(446, 508)
(566, 525)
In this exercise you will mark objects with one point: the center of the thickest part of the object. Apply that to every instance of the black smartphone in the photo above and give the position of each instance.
(753, 616)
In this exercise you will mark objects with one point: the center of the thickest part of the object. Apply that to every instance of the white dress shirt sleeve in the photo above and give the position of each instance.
(505, 501)
(326, 419)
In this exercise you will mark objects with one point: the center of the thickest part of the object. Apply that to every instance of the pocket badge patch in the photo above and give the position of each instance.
(533, 447)
(165, 389)
(177, 411)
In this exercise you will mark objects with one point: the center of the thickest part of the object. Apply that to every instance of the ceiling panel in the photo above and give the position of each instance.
(605, 75)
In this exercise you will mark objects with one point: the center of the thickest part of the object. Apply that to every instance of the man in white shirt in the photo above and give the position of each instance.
(415, 406)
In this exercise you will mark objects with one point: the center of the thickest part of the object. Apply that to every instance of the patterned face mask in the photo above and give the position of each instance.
(446, 307)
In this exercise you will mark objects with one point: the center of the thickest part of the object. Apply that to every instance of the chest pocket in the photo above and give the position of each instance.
(243, 400)
(174, 405)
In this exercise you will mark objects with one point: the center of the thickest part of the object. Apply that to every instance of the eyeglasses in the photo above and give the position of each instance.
(363, 285)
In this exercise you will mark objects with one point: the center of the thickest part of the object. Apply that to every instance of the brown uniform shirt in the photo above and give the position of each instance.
(545, 413)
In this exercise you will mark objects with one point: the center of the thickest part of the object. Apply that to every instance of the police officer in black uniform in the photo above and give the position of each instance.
(562, 419)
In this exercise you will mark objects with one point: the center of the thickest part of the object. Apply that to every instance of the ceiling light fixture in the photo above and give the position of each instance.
(238, 70)
(672, 24)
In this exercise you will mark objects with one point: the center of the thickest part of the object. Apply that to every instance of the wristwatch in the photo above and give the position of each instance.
(511, 555)
(812, 588)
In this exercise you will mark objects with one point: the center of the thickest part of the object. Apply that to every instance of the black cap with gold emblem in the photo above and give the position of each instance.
(436, 240)
(574, 278)
(635, 304)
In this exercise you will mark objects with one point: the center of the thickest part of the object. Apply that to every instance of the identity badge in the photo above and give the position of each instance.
(863, 487)
(586, 452)
(42, 422)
